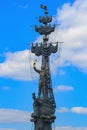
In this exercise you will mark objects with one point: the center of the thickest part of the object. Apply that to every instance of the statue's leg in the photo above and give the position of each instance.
(42, 90)
(39, 91)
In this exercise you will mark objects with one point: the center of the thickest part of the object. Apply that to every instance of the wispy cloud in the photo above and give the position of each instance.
(79, 110)
(76, 110)
(57, 128)
(24, 6)
(7, 129)
(63, 88)
(70, 128)
(14, 116)
(6, 88)
(62, 110)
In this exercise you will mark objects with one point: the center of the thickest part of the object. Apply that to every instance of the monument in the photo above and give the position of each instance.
(44, 103)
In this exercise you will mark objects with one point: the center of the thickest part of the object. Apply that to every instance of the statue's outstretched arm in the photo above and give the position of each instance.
(34, 66)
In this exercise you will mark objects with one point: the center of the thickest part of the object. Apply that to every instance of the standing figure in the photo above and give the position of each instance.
(42, 74)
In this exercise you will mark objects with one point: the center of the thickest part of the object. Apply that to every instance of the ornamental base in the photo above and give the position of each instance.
(43, 115)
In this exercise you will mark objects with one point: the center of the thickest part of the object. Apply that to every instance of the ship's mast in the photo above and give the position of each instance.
(44, 105)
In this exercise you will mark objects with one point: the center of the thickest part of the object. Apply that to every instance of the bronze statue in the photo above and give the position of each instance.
(44, 104)
(42, 74)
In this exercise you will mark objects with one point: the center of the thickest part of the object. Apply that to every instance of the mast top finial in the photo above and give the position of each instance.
(45, 8)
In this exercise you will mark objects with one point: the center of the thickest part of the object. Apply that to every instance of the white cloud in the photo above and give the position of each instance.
(57, 128)
(12, 116)
(7, 129)
(73, 29)
(70, 128)
(79, 110)
(18, 65)
(63, 88)
(62, 110)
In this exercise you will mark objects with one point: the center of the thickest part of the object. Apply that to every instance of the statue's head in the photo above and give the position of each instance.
(42, 67)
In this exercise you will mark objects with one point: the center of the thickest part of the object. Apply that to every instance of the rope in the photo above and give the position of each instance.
(29, 57)
(31, 74)
(32, 126)
(54, 125)
(57, 71)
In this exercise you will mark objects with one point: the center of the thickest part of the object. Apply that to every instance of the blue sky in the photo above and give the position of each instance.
(68, 67)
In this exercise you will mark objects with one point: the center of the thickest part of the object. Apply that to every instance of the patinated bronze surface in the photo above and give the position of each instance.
(44, 104)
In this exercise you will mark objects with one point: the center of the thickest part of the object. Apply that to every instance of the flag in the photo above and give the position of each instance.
(43, 7)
